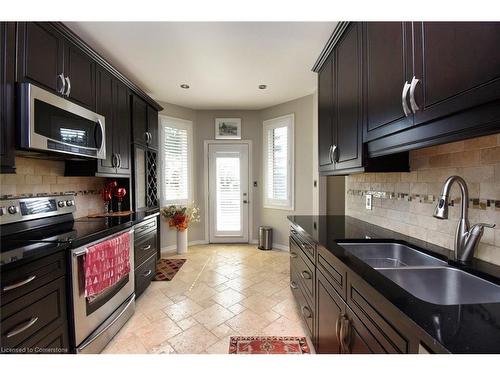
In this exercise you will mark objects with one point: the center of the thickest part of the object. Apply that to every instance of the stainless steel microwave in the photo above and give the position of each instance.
(49, 122)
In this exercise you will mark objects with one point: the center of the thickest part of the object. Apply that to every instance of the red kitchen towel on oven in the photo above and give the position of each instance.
(106, 263)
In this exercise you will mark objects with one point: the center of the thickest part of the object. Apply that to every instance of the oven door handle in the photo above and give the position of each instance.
(79, 253)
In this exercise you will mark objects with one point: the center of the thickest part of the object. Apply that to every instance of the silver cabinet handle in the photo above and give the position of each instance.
(413, 103)
(293, 285)
(146, 247)
(68, 90)
(338, 323)
(18, 284)
(63, 88)
(404, 94)
(330, 154)
(334, 154)
(113, 160)
(293, 255)
(150, 137)
(305, 275)
(146, 274)
(119, 160)
(24, 327)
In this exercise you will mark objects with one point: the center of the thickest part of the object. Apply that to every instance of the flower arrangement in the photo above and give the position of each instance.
(181, 216)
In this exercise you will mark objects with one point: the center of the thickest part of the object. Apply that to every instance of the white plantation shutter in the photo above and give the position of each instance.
(176, 162)
(228, 192)
(278, 164)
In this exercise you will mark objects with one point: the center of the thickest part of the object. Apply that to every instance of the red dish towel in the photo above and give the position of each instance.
(106, 263)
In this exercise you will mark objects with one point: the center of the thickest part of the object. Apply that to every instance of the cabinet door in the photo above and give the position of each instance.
(121, 139)
(325, 113)
(80, 71)
(153, 127)
(387, 67)
(329, 308)
(105, 107)
(356, 337)
(7, 91)
(40, 55)
(458, 66)
(347, 120)
(139, 120)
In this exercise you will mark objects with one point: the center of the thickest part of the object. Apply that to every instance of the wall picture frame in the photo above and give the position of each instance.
(227, 128)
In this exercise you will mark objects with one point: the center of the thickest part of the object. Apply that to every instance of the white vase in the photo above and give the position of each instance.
(182, 241)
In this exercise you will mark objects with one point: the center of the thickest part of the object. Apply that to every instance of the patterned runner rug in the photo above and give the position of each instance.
(167, 268)
(268, 345)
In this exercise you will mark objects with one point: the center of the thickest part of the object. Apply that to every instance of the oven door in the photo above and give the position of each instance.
(90, 314)
(52, 123)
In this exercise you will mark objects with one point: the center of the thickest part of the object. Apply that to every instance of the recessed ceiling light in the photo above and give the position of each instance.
(184, 86)
(262, 87)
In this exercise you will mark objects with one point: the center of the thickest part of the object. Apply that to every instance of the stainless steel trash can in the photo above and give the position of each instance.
(265, 238)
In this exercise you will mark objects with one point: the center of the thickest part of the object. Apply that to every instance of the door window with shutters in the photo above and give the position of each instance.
(278, 163)
(176, 160)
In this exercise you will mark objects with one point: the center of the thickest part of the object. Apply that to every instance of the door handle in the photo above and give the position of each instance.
(305, 275)
(413, 103)
(119, 160)
(330, 155)
(345, 333)
(146, 247)
(404, 94)
(19, 284)
(146, 274)
(113, 160)
(63, 88)
(334, 154)
(306, 312)
(68, 90)
(293, 285)
(338, 324)
(22, 328)
(293, 255)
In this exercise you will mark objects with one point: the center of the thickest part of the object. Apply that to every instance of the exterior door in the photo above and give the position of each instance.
(228, 192)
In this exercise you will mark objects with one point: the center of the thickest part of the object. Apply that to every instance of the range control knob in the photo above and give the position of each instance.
(69, 203)
(61, 203)
(12, 210)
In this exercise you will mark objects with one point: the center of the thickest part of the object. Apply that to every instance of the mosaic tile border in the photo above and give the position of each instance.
(474, 203)
(79, 192)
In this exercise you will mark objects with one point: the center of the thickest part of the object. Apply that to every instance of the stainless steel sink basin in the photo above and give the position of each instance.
(444, 285)
(391, 255)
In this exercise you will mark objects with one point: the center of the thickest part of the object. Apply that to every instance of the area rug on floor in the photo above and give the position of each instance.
(268, 345)
(167, 268)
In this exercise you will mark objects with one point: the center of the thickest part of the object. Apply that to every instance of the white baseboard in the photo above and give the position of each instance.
(173, 248)
(281, 247)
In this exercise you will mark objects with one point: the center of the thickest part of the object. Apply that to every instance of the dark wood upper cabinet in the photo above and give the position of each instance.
(121, 127)
(387, 67)
(7, 95)
(79, 70)
(105, 107)
(153, 128)
(139, 121)
(41, 55)
(347, 115)
(457, 65)
(329, 309)
(325, 113)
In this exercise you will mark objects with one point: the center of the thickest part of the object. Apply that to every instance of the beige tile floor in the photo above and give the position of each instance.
(221, 291)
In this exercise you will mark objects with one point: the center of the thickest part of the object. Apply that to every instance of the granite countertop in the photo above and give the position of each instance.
(471, 328)
(16, 251)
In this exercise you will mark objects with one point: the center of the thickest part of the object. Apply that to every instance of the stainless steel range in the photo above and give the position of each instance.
(30, 224)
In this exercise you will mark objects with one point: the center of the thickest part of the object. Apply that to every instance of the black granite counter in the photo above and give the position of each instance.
(471, 328)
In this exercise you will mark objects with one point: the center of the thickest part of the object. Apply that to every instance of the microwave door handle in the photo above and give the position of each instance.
(101, 126)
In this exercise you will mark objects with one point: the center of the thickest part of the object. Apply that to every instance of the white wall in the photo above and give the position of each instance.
(305, 122)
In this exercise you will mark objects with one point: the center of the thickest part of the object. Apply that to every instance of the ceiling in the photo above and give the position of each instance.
(222, 62)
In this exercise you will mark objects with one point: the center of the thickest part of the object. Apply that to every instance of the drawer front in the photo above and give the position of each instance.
(145, 247)
(334, 270)
(363, 301)
(21, 280)
(304, 268)
(56, 342)
(144, 274)
(34, 315)
(141, 228)
(307, 245)
(304, 306)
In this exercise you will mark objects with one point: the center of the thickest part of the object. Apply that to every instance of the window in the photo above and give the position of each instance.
(176, 141)
(278, 163)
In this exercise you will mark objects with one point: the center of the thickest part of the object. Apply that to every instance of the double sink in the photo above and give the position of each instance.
(424, 276)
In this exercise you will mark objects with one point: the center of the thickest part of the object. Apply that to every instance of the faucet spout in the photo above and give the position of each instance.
(441, 211)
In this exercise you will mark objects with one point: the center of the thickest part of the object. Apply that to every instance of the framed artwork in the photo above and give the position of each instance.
(227, 128)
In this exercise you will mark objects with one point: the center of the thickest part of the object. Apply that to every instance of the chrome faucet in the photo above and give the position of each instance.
(466, 238)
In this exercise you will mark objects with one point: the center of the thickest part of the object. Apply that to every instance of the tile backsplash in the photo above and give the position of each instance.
(404, 202)
(35, 176)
